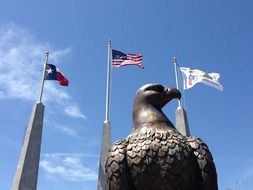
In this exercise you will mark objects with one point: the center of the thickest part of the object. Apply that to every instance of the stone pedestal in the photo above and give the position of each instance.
(105, 145)
(182, 122)
(28, 165)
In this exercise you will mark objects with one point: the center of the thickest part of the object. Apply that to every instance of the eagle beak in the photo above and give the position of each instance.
(174, 92)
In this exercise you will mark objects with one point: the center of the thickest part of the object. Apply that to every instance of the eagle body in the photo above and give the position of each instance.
(155, 156)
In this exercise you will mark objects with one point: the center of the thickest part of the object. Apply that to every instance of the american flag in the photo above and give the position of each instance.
(120, 59)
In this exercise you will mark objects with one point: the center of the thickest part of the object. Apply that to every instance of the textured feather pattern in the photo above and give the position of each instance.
(160, 159)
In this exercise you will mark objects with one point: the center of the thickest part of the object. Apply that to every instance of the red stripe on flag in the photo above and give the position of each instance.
(61, 78)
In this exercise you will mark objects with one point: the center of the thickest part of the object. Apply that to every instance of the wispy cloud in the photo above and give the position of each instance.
(74, 111)
(21, 65)
(67, 130)
(69, 167)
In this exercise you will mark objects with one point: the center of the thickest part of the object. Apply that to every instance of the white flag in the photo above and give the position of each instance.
(194, 76)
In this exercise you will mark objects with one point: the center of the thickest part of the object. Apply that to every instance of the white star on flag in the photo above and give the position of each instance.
(49, 71)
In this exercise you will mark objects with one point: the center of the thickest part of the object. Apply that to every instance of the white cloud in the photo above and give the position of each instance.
(74, 111)
(67, 130)
(21, 65)
(55, 56)
(18, 58)
(68, 167)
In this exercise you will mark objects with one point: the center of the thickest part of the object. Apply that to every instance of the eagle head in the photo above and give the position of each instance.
(149, 101)
(156, 94)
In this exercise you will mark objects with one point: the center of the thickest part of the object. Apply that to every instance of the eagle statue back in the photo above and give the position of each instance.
(155, 156)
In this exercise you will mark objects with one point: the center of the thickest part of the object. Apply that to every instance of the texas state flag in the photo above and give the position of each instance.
(53, 73)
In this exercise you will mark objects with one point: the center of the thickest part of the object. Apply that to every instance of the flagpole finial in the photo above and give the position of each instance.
(174, 59)
(46, 56)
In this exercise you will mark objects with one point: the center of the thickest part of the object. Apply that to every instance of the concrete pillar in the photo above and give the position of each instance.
(105, 145)
(28, 165)
(182, 121)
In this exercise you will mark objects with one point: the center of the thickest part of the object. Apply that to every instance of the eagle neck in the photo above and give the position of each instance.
(146, 114)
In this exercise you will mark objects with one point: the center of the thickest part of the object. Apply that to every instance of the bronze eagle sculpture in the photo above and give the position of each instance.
(155, 156)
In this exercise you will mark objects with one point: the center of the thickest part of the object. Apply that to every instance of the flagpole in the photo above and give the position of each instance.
(176, 75)
(106, 137)
(43, 76)
(107, 105)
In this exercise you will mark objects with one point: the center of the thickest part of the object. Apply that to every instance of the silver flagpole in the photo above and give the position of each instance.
(43, 76)
(106, 137)
(176, 74)
(107, 105)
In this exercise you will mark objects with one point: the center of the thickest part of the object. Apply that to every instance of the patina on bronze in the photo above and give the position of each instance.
(155, 156)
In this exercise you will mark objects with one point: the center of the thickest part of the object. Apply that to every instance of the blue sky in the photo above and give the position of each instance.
(213, 36)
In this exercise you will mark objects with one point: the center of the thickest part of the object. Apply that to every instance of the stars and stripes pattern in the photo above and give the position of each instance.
(120, 59)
